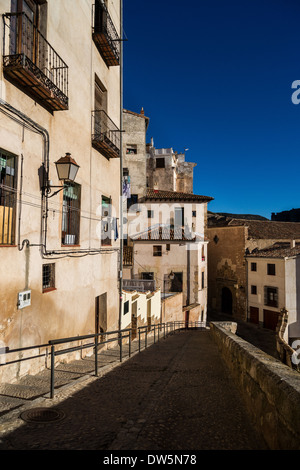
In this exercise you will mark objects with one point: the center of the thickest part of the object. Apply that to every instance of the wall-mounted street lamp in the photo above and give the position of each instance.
(66, 168)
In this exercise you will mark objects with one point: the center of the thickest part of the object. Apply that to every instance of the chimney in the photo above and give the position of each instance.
(142, 112)
(293, 243)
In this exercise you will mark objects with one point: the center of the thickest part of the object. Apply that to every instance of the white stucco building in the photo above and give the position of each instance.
(60, 93)
(273, 285)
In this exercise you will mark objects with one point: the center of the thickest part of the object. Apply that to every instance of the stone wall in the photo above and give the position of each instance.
(270, 389)
(227, 269)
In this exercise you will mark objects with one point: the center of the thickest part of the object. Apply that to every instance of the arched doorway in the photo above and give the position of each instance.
(226, 300)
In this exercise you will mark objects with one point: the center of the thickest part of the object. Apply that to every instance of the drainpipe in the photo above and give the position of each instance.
(121, 168)
(188, 275)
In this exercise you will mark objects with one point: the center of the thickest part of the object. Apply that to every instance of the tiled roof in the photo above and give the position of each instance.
(278, 250)
(159, 195)
(165, 233)
(261, 229)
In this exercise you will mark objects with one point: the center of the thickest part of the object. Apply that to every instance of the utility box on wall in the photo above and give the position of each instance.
(24, 299)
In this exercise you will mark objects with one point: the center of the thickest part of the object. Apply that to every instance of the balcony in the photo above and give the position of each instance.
(31, 64)
(105, 35)
(105, 135)
(139, 285)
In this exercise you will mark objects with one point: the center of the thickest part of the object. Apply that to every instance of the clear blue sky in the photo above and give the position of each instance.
(215, 77)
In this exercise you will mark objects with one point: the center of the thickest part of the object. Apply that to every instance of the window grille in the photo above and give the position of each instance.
(48, 276)
(71, 214)
(8, 197)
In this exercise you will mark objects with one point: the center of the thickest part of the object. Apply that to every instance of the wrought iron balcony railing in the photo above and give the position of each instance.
(105, 135)
(31, 63)
(105, 35)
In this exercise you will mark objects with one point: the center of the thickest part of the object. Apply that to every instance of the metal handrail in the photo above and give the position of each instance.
(168, 328)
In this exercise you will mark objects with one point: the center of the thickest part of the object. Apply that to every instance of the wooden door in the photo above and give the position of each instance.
(270, 319)
(254, 315)
(134, 319)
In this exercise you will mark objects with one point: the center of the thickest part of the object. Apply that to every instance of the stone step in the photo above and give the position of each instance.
(9, 403)
(26, 392)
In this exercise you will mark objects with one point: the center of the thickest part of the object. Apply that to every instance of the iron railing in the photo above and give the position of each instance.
(95, 341)
(105, 134)
(25, 48)
(105, 34)
(140, 285)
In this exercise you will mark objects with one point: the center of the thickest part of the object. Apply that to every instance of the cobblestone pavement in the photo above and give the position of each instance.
(175, 395)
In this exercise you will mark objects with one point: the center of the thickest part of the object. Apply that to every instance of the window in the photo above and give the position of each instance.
(132, 200)
(157, 250)
(179, 216)
(271, 269)
(147, 276)
(160, 163)
(150, 214)
(271, 296)
(106, 223)
(253, 267)
(8, 197)
(253, 290)
(48, 277)
(126, 307)
(168, 247)
(131, 150)
(194, 214)
(71, 214)
(202, 280)
(100, 96)
(177, 283)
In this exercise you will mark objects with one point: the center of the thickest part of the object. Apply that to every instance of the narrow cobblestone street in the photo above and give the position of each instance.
(175, 395)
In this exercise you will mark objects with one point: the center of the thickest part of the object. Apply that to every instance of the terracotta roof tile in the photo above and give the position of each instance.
(159, 195)
(278, 250)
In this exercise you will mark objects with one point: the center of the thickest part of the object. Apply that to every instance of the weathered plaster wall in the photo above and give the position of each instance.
(70, 309)
(227, 268)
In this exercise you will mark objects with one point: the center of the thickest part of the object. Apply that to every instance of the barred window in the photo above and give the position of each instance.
(71, 214)
(48, 277)
(106, 222)
(8, 197)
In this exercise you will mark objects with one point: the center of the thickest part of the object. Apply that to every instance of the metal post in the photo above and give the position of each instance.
(154, 332)
(164, 331)
(139, 340)
(52, 372)
(96, 355)
(146, 336)
(121, 358)
(129, 343)
(158, 326)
